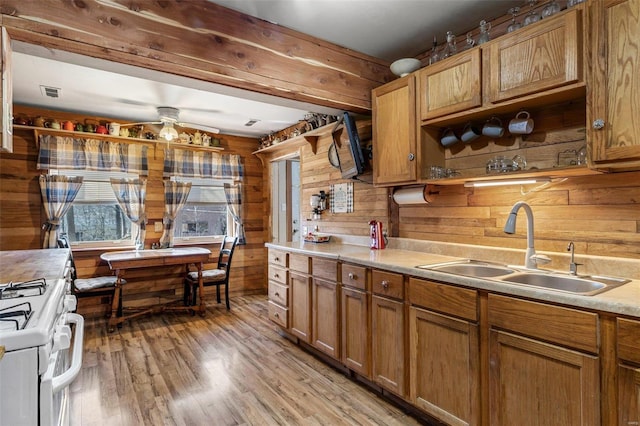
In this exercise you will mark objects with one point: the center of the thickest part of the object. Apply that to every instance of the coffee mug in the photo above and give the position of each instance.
(448, 138)
(470, 133)
(89, 128)
(522, 124)
(79, 127)
(102, 129)
(67, 125)
(493, 128)
(124, 132)
(114, 129)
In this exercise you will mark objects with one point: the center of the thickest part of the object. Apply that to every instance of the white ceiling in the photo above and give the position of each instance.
(386, 29)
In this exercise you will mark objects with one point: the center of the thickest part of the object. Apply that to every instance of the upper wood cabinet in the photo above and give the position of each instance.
(451, 85)
(613, 107)
(538, 58)
(395, 132)
(6, 93)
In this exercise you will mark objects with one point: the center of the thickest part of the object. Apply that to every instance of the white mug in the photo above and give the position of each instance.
(522, 124)
(114, 129)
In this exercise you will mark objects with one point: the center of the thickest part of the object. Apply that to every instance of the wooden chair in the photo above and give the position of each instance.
(218, 277)
(90, 287)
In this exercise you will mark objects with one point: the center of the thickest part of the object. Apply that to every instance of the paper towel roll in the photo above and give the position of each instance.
(415, 195)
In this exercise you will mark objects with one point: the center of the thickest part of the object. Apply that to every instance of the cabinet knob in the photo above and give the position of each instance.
(276, 315)
(277, 259)
(384, 284)
(352, 276)
(276, 294)
(276, 276)
(412, 156)
(598, 123)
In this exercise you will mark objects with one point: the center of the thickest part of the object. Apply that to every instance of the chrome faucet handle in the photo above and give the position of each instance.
(573, 266)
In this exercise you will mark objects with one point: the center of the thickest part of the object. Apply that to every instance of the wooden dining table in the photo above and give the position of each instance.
(121, 261)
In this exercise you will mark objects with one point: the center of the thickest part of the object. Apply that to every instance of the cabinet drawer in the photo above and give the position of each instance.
(448, 299)
(278, 274)
(354, 276)
(278, 314)
(325, 268)
(563, 326)
(387, 284)
(629, 340)
(278, 257)
(279, 293)
(299, 262)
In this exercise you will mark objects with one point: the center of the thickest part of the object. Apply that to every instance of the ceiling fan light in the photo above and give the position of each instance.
(168, 133)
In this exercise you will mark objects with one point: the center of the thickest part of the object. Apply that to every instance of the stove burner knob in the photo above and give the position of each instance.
(61, 338)
(70, 303)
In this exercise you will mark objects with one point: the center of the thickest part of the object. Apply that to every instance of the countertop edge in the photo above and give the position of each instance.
(623, 300)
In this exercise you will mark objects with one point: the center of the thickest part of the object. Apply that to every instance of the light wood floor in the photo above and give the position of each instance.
(228, 368)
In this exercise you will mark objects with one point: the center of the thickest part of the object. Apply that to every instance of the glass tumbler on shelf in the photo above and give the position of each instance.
(450, 49)
(470, 41)
(550, 9)
(514, 25)
(532, 16)
(485, 27)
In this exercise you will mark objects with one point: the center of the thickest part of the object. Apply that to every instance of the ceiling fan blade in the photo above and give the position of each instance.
(143, 122)
(199, 127)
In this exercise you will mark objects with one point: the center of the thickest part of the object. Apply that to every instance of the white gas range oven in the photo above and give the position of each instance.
(40, 336)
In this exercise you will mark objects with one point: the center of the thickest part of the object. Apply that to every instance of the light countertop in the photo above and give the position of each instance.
(403, 255)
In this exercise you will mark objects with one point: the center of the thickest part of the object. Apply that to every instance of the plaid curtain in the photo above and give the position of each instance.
(131, 195)
(175, 195)
(57, 152)
(233, 194)
(58, 193)
(203, 164)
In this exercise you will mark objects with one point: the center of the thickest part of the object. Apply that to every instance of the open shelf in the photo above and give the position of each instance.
(554, 173)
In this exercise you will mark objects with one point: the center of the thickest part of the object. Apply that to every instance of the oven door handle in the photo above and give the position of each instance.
(63, 380)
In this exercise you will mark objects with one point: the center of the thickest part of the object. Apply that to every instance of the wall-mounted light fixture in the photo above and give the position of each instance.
(505, 182)
(318, 204)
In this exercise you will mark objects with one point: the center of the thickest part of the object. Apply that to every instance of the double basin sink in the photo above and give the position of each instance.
(583, 285)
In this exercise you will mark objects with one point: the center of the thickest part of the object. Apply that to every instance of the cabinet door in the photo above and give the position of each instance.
(6, 92)
(535, 383)
(450, 86)
(628, 395)
(537, 58)
(356, 335)
(444, 374)
(615, 85)
(300, 307)
(326, 316)
(394, 132)
(387, 344)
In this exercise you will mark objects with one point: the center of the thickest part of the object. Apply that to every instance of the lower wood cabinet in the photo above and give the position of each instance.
(628, 345)
(300, 306)
(387, 343)
(535, 378)
(444, 352)
(326, 318)
(356, 333)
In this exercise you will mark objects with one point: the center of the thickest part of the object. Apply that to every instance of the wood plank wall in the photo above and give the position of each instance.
(21, 216)
(600, 213)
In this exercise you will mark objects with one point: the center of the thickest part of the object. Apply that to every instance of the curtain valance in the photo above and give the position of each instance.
(204, 164)
(58, 152)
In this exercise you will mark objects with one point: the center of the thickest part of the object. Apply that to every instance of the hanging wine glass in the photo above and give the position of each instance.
(532, 16)
(514, 25)
(550, 9)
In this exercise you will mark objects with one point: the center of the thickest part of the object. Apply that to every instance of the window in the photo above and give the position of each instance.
(204, 215)
(95, 218)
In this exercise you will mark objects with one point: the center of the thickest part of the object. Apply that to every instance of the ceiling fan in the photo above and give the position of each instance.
(168, 117)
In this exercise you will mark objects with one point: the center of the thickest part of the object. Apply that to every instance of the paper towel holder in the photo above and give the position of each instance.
(423, 194)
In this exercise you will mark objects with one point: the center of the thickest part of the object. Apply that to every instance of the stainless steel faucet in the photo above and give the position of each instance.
(573, 266)
(531, 258)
